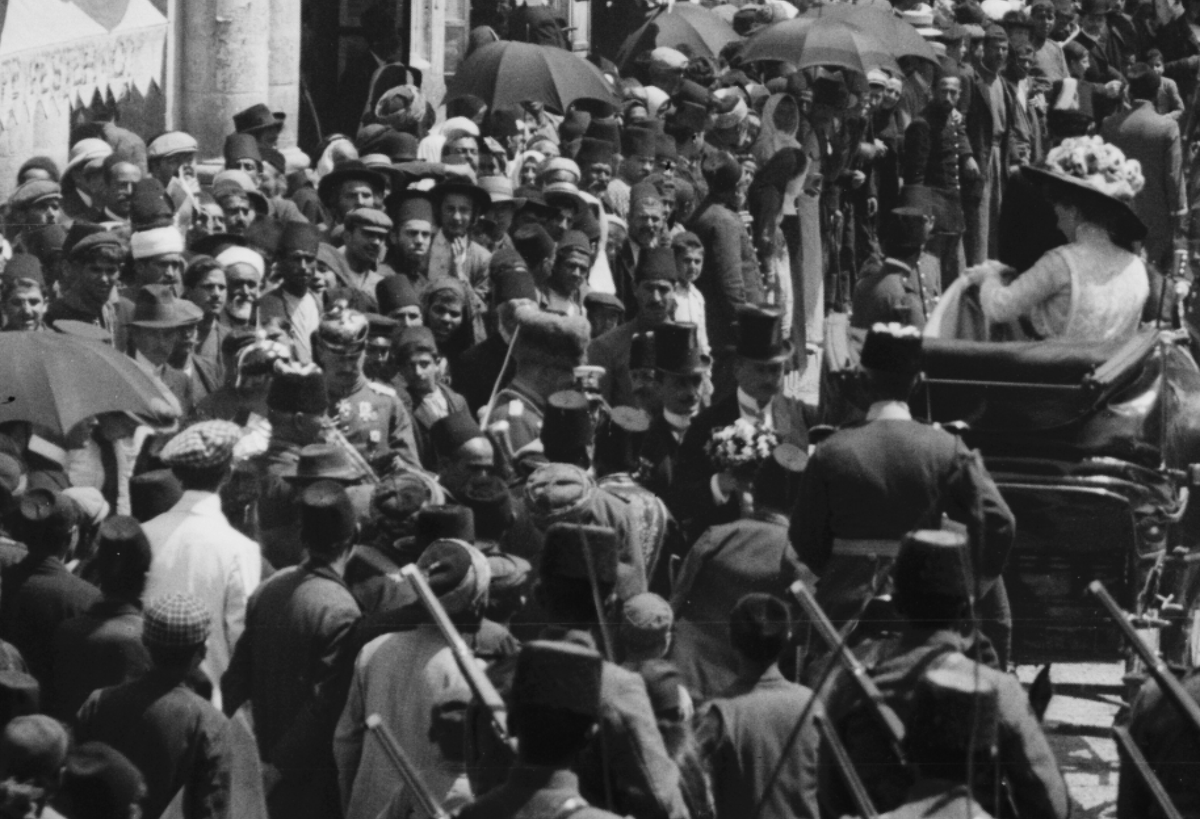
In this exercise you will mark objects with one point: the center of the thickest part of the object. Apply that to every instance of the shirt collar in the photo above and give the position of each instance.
(889, 411)
(747, 404)
(677, 421)
(199, 502)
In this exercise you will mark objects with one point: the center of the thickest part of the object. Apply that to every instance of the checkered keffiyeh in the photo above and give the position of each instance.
(175, 621)
(208, 443)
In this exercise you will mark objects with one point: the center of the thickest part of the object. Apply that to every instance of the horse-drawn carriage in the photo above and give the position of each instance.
(1093, 447)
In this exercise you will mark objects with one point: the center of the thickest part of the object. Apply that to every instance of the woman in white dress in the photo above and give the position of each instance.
(1093, 288)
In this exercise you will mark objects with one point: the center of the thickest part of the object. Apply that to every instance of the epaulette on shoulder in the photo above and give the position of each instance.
(382, 389)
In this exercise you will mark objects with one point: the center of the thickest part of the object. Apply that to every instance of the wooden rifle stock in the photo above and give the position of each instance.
(408, 772)
(1142, 766)
(841, 759)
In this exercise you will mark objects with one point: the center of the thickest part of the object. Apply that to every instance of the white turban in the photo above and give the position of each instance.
(236, 254)
(145, 244)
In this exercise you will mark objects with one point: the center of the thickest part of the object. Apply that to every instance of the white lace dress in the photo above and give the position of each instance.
(1088, 291)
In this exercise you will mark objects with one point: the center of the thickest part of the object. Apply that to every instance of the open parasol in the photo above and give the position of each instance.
(808, 42)
(56, 381)
(507, 74)
(900, 38)
(703, 31)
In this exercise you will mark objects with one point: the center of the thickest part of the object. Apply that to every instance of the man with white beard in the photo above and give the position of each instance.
(244, 272)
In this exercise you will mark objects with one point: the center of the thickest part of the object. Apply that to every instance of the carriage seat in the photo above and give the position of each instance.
(1052, 363)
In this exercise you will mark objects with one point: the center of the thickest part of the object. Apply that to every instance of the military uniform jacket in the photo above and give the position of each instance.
(896, 292)
(908, 474)
(895, 665)
(374, 420)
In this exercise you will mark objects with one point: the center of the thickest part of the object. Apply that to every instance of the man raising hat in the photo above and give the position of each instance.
(703, 497)
(656, 276)
(907, 473)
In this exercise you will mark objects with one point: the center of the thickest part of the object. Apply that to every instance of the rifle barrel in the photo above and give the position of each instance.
(841, 759)
(408, 771)
(1142, 766)
(1166, 680)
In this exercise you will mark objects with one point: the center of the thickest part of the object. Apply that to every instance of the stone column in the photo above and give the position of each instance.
(284, 66)
(224, 58)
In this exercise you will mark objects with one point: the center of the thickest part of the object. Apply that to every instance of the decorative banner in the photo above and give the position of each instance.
(60, 66)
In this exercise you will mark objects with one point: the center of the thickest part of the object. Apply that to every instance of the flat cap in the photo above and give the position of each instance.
(34, 191)
(202, 445)
(175, 621)
(368, 218)
(171, 143)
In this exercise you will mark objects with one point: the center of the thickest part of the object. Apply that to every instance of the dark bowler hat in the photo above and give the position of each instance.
(155, 307)
(567, 428)
(241, 146)
(214, 243)
(568, 547)
(760, 334)
(557, 675)
(394, 292)
(450, 522)
(322, 462)
(352, 170)
(452, 431)
(152, 493)
(476, 194)
(953, 712)
(298, 391)
(257, 117)
(491, 502)
(892, 348)
(934, 561)
(656, 264)
(326, 514)
(690, 116)
(619, 437)
(677, 349)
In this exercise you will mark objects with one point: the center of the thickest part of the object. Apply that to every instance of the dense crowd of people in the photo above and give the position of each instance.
(566, 364)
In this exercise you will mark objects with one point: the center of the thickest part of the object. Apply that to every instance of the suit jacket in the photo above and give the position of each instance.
(730, 277)
(691, 499)
(979, 123)
(99, 648)
(660, 449)
(908, 474)
(38, 595)
(297, 623)
(1152, 139)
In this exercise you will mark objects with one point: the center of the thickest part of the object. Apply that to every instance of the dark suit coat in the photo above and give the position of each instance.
(979, 123)
(623, 279)
(908, 474)
(38, 595)
(660, 449)
(99, 648)
(690, 499)
(297, 625)
(477, 369)
(730, 277)
(1152, 139)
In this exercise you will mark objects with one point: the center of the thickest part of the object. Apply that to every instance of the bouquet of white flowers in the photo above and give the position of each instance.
(1100, 164)
(741, 445)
